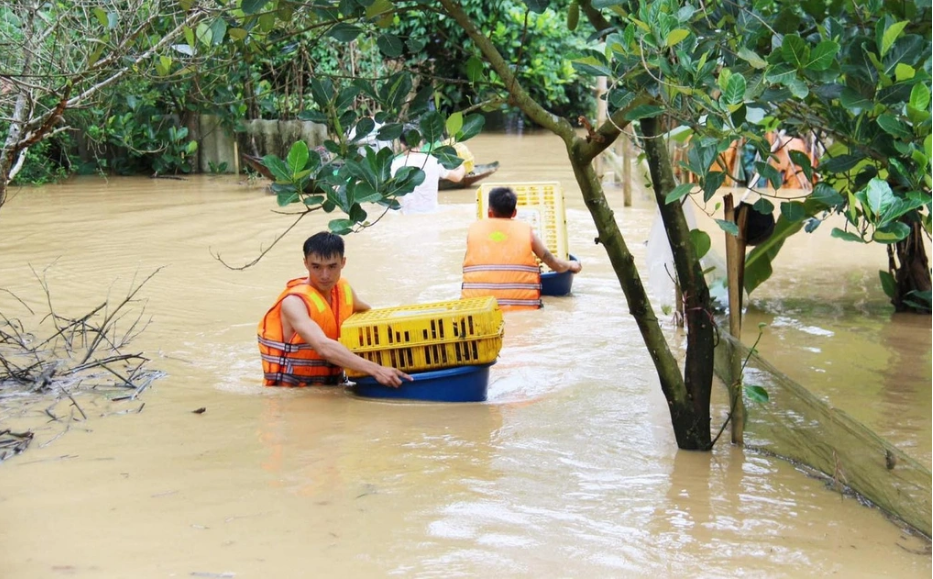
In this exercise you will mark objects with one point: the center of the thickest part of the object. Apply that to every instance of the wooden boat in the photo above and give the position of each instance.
(255, 163)
(478, 173)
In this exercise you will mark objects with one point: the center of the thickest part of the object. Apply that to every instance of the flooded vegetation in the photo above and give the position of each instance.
(570, 468)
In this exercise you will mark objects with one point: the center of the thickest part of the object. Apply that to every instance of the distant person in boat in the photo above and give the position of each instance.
(424, 198)
(500, 256)
(298, 335)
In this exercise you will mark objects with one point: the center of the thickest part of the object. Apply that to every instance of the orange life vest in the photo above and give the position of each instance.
(294, 362)
(499, 262)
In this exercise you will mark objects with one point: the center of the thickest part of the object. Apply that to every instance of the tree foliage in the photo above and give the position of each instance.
(854, 76)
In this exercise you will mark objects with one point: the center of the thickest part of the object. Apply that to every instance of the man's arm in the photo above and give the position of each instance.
(358, 304)
(455, 175)
(556, 264)
(296, 313)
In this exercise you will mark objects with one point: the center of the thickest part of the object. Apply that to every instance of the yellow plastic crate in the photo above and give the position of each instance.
(431, 336)
(541, 205)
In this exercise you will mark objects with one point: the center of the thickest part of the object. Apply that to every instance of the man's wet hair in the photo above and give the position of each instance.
(410, 136)
(324, 244)
(502, 201)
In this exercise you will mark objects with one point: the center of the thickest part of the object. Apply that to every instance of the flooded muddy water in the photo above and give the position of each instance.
(570, 469)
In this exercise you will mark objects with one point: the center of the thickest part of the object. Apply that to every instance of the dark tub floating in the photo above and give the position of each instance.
(557, 284)
(461, 384)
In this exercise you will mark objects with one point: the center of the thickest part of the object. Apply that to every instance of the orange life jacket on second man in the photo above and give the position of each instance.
(500, 262)
(293, 362)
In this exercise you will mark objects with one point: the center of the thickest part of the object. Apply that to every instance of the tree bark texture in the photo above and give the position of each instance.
(691, 429)
(912, 270)
(698, 367)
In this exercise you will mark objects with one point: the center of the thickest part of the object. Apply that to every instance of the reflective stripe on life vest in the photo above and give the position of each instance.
(500, 262)
(294, 362)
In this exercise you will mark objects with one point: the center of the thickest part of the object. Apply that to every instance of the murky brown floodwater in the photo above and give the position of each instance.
(569, 470)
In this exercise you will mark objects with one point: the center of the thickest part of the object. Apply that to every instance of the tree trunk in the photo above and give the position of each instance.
(688, 416)
(693, 416)
(911, 271)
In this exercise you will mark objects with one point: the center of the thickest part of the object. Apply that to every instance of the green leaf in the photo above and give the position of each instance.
(891, 232)
(237, 33)
(752, 58)
(474, 69)
(793, 211)
(701, 242)
(904, 72)
(378, 8)
(204, 33)
(218, 30)
(676, 36)
(390, 45)
(297, 157)
(798, 88)
(795, 51)
(734, 93)
(432, 127)
(389, 132)
(851, 99)
(756, 393)
(643, 112)
(101, 16)
(278, 168)
(267, 21)
(454, 123)
(758, 262)
(823, 55)
(890, 36)
(341, 226)
(802, 160)
(472, 125)
(313, 200)
(728, 226)
(879, 196)
(343, 32)
(845, 235)
(592, 66)
(678, 192)
(887, 283)
(781, 74)
(345, 98)
(893, 126)
(763, 206)
(920, 97)
(250, 7)
(825, 195)
(840, 164)
(285, 197)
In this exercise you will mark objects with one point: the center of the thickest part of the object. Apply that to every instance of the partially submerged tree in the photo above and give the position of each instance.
(60, 56)
(725, 71)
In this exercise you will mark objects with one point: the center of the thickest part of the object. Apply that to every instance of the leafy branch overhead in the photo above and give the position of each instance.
(852, 77)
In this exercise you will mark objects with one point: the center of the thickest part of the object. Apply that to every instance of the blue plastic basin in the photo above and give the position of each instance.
(461, 384)
(557, 284)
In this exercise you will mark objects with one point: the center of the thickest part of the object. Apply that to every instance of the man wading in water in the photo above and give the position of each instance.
(298, 335)
(501, 257)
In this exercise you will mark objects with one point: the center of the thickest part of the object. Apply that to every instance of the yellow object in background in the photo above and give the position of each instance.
(464, 153)
(431, 336)
(540, 205)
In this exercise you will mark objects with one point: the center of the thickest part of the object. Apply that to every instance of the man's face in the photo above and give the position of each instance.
(324, 272)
